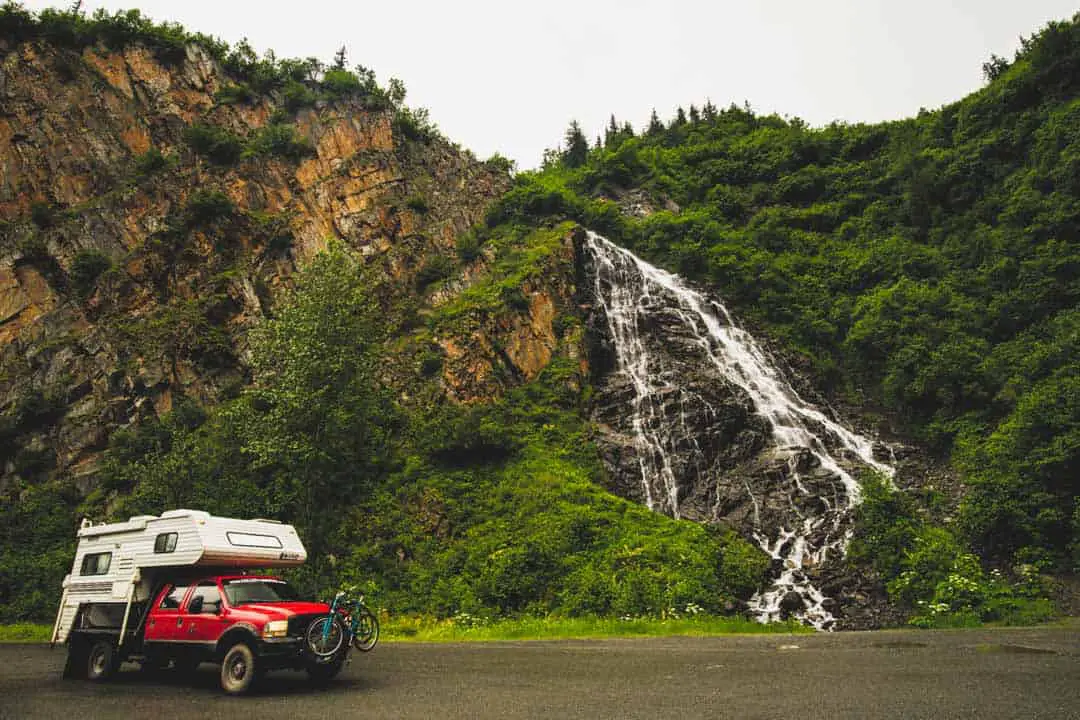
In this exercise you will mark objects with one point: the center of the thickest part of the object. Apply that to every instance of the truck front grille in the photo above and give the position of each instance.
(298, 624)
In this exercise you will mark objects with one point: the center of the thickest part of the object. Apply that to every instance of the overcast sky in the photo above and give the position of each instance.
(500, 76)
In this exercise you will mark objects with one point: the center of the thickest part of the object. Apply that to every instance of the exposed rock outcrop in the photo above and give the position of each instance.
(167, 314)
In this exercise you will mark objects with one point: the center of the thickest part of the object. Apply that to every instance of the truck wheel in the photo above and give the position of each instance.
(324, 672)
(238, 669)
(102, 661)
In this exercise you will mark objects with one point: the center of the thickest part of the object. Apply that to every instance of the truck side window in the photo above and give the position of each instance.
(165, 543)
(173, 599)
(207, 589)
(96, 564)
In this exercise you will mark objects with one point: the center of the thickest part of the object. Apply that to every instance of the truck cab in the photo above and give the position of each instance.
(249, 623)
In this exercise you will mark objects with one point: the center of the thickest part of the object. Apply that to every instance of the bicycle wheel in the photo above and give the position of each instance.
(325, 646)
(366, 630)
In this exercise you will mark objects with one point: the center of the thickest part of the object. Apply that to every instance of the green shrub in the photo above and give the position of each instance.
(152, 161)
(33, 247)
(44, 214)
(500, 164)
(414, 125)
(205, 208)
(280, 243)
(236, 94)
(296, 96)
(437, 267)
(469, 246)
(86, 269)
(469, 435)
(279, 140)
(341, 83)
(431, 362)
(215, 143)
(885, 528)
(417, 204)
(29, 463)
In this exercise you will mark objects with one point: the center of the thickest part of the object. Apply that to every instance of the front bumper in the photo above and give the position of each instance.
(291, 652)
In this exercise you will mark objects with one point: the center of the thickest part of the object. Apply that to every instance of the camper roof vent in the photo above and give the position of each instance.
(198, 514)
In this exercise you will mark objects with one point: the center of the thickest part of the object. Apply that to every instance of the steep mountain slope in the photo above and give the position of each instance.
(926, 270)
(418, 418)
(267, 287)
(148, 220)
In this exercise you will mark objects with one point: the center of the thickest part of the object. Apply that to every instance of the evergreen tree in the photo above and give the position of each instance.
(709, 111)
(680, 118)
(655, 126)
(339, 59)
(695, 116)
(611, 135)
(577, 147)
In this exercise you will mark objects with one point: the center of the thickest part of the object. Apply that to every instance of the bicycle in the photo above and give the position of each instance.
(356, 624)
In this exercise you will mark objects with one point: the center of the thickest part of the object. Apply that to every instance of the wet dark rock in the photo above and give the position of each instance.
(719, 452)
(792, 603)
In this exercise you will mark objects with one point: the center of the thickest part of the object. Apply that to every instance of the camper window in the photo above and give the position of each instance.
(165, 543)
(174, 597)
(96, 564)
(243, 539)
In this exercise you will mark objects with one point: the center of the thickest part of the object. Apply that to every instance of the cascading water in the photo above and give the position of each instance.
(637, 299)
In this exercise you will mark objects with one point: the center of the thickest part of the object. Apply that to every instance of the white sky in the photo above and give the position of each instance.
(500, 76)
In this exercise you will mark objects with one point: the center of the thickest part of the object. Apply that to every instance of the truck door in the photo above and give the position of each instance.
(164, 622)
(202, 620)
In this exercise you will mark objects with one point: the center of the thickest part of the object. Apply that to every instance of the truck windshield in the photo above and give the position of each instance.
(258, 590)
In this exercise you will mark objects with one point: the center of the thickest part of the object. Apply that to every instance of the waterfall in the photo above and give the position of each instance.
(638, 299)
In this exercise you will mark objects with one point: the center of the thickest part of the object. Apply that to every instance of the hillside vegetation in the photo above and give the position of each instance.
(334, 413)
(925, 271)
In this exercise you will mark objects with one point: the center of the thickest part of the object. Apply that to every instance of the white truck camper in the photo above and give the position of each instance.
(118, 565)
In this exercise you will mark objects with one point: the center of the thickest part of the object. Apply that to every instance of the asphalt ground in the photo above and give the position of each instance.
(1029, 673)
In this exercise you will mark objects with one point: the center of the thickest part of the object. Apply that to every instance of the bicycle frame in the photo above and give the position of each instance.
(353, 615)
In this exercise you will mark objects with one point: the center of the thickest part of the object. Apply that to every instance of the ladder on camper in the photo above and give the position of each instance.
(65, 618)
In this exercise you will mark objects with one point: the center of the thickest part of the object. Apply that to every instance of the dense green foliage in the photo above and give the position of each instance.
(927, 570)
(85, 270)
(489, 509)
(929, 267)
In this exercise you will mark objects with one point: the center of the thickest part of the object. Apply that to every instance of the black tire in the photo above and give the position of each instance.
(367, 631)
(314, 638)
(325, 672)
(238, 669)
(102, 661)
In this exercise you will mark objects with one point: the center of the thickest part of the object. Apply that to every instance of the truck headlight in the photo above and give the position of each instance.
(276, 629)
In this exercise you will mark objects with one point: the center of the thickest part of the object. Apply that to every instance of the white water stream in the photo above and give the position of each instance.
(626, 287)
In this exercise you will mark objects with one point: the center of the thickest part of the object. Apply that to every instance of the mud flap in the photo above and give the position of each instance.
(75, 665)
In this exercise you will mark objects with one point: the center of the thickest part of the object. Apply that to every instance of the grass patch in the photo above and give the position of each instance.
(25, 633)
(471, 629)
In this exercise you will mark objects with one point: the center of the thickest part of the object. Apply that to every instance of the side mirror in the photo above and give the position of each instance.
(196, 605)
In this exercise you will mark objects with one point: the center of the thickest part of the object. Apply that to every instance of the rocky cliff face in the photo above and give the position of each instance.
(133, 261)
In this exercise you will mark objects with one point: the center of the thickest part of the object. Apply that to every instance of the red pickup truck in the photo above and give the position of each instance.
(249, 624)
